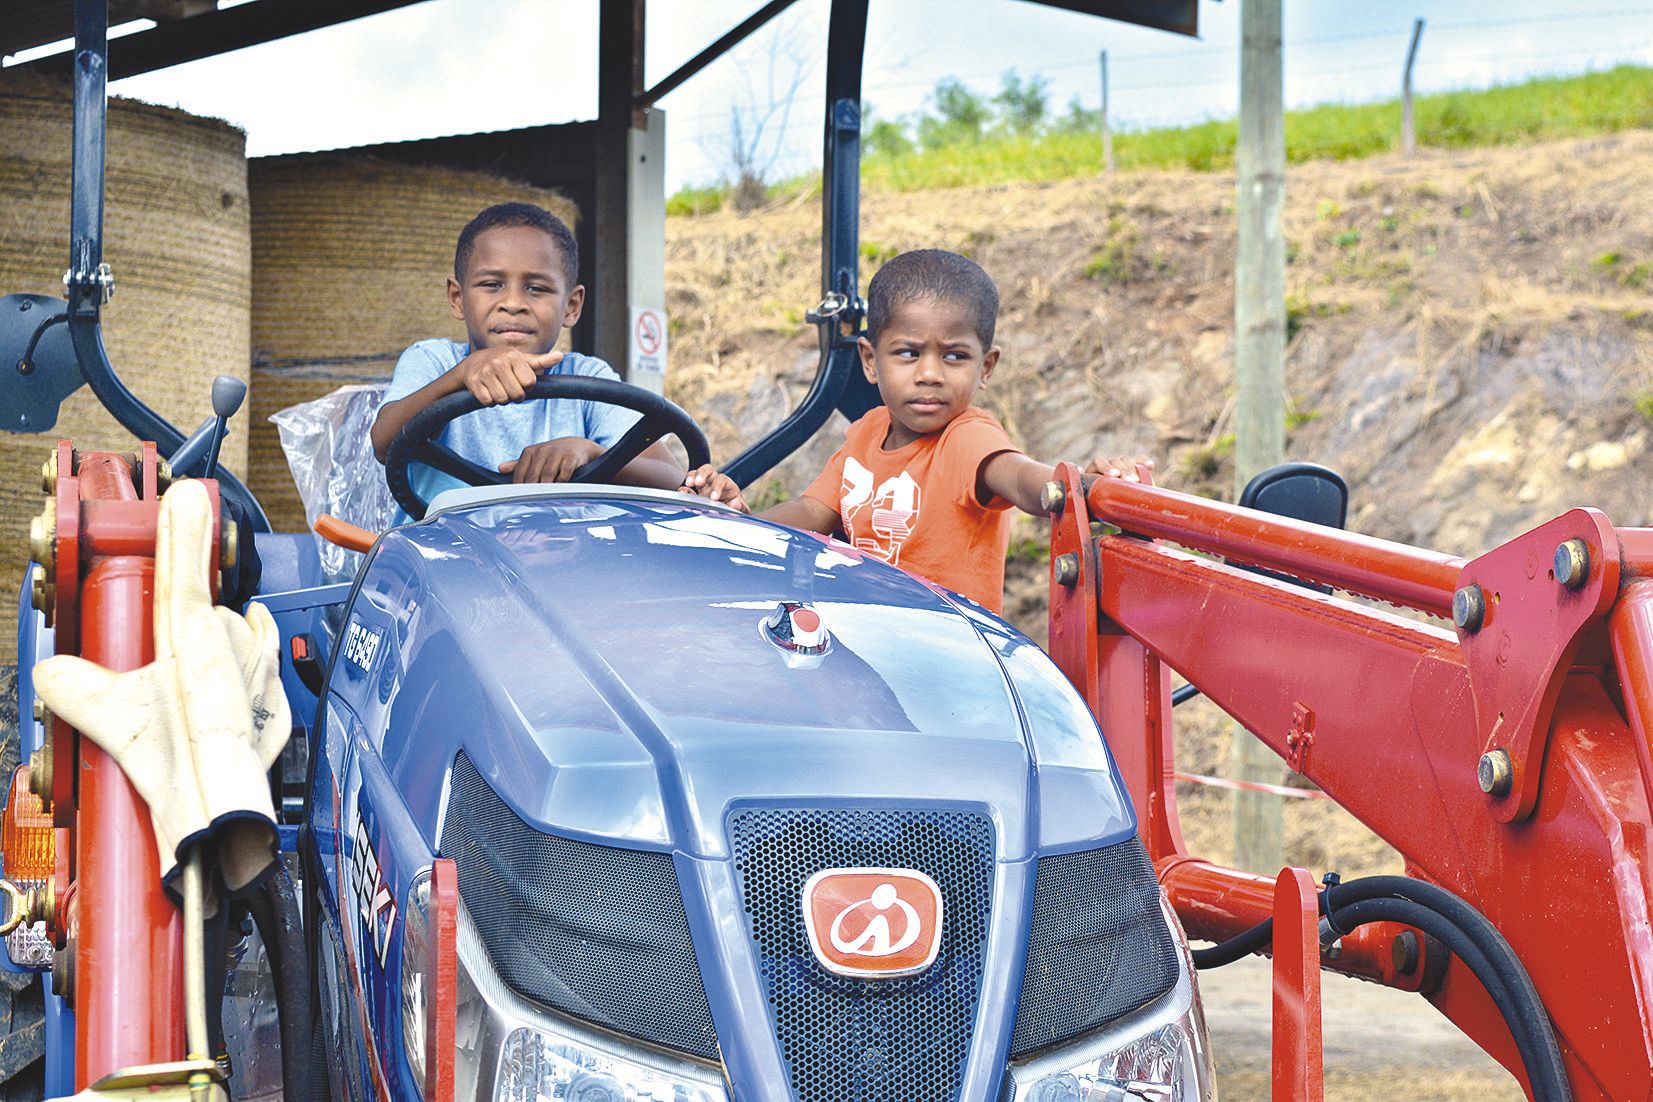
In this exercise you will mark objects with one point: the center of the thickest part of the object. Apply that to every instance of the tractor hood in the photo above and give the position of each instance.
(604, 664)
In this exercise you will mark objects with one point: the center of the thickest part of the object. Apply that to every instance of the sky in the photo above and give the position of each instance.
(463, 66)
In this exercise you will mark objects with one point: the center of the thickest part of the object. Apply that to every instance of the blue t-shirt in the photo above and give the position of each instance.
(496, 434)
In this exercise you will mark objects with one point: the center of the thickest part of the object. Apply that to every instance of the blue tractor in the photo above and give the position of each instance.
(605, 794)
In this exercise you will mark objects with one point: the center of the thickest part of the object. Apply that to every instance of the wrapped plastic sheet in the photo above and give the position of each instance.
(329, 448)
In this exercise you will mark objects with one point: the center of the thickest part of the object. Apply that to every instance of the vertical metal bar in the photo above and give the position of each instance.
(86, 189)
(1408, 137)
(1299, 1073)
(619, 80)
(85, 285)
(841, 159)
(838, 383)
(1107, 126)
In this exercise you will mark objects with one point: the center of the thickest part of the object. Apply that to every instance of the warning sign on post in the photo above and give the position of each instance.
(647, 366)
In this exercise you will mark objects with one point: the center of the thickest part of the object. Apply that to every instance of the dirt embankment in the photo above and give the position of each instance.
(1472, 333)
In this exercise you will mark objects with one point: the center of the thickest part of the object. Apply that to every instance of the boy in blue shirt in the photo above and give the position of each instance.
(515, 287)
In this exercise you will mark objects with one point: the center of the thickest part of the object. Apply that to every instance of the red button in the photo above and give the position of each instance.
(806, 620)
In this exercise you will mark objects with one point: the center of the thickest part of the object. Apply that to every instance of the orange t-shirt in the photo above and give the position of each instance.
(916, 507)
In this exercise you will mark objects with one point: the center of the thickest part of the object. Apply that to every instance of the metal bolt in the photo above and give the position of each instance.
(230, 545)
(40, 769)
(1067, 569)
(163, 475)
(1572, 563)
(1469, 608)
(63, 969)
(39, 597)
(43, 537)
(1053, 497)
(40, 904)
(39, 710)
(1404, 952)
(48, 474)
(1494, 774)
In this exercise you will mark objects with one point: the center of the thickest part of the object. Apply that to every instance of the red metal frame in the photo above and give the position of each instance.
(125, 932)
(1391, 716)
(442, 1015)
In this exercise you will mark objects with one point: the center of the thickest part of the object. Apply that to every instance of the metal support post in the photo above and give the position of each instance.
(619, 82)
(1259, 356)
(1408, 136)
(1107, 128)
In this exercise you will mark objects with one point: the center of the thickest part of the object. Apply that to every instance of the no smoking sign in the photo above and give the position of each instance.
(648, 344)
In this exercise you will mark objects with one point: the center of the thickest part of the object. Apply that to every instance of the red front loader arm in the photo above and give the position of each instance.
(1505, 757)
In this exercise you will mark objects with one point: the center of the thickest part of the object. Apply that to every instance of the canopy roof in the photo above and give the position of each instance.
(186, 30)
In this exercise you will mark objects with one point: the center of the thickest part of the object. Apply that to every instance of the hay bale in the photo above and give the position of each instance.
(350, 260)
(175, 233)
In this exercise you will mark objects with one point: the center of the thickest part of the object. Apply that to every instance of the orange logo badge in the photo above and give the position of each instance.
(873, 923)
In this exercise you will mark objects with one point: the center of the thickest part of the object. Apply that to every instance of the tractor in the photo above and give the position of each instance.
(893, 850)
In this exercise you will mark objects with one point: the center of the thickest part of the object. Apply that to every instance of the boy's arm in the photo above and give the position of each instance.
(492, 375)
(557, 460)
(1018, 479)
(805, 513)
(654, 467)
(1014, 477)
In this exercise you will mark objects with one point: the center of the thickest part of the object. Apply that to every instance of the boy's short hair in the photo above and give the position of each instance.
(509, 215)
(935, 275)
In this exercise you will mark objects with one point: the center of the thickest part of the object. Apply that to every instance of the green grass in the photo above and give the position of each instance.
(1561, 107)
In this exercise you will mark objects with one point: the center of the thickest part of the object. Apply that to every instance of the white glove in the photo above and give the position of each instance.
(196, 729)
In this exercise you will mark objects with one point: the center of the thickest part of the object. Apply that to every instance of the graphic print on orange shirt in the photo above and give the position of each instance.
(890, 513)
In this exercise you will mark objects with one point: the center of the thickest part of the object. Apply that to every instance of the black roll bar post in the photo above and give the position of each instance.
(89, 281)
(839, 383)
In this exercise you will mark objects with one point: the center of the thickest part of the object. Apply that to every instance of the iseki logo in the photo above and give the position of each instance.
(873, 923)
(374, 903)
(361, 644)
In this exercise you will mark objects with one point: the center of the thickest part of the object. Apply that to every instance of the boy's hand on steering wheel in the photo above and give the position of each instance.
(502, 374)
(707, 481)
(553, 461)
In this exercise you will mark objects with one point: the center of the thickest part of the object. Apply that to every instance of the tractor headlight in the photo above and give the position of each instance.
(1157, 1054)
(512, 1051)
(416, 979)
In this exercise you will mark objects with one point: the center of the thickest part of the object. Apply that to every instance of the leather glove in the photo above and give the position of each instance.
(197, 729)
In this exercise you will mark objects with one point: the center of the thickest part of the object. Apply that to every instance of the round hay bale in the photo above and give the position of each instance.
(175, 234)
(351, 256)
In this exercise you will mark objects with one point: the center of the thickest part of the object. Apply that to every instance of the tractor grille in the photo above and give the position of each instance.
(1099, 946)
(898, 1040)
(596, 932)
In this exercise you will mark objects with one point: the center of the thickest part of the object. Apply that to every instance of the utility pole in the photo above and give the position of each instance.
(1259, 360)
(1107, 131)
(1408, 137)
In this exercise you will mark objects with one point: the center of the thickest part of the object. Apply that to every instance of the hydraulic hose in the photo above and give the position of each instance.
(1465, 932)
(275, 911)
(1527, 1021)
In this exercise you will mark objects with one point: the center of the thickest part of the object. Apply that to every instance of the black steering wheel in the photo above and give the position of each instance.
(417, 440)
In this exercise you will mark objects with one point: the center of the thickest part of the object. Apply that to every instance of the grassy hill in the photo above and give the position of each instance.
(1564, 107)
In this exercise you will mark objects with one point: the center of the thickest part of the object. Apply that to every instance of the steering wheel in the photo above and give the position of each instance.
(417, 440)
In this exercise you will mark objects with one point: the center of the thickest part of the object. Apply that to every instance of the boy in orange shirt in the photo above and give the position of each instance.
(925, 481)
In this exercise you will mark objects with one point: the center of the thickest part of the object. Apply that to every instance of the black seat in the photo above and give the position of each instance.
(1301, 491)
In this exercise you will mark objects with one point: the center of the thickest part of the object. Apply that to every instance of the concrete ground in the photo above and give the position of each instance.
(1380, 1044)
